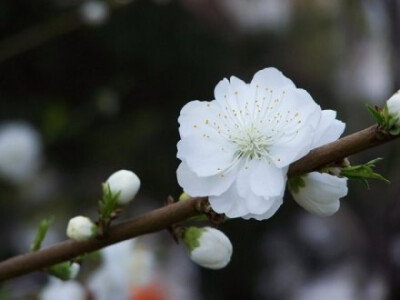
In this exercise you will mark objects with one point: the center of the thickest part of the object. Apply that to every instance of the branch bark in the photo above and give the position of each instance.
(340, 149)
(164, 217)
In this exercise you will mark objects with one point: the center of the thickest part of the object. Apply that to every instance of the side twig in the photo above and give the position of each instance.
(164, 217)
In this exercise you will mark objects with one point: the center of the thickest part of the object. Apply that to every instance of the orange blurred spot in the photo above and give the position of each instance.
(150, 291)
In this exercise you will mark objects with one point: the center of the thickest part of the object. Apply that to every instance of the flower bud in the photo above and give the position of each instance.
(208, 247)
(65, 270)
(74, 270)
(126, 183)
(319, 193)
(393, 106)
(184, 197)
(81, 228)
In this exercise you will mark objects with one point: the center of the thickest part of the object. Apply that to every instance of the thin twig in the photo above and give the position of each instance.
(152, 221)
(39, 34)
(164, 217)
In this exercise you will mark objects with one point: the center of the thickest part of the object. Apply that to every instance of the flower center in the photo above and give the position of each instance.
(251, 143)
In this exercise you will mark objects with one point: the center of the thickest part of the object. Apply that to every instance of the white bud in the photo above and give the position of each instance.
(393, 105)
(208, 247)
(74, 270)
(65, 270)
(125, 182)
(81, 228)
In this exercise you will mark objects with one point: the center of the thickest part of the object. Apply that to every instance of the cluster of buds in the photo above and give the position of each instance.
(118, 190)
(207, 247)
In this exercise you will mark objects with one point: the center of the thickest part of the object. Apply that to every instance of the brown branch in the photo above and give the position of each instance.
(164, 217)
(153, 221)
(342, 148)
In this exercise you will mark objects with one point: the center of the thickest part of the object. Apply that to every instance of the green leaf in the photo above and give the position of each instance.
(43, 227)
(61, 270)
(108, 204)
(377, 115)
(363, 172)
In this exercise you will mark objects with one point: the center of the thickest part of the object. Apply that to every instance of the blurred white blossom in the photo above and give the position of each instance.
(348, 281)
(329, 286)
(20, 152)
(258, 15)
(365, 66)
(94, 12)
(126, 268)
(63, 290)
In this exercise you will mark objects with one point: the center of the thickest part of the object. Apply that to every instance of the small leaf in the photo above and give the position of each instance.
(377, 115)
(363, 172)
(43, 227)
(108, 204)
(61, 270)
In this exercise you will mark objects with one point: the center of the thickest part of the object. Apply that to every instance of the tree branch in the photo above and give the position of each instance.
(340, 149)
(164, 217)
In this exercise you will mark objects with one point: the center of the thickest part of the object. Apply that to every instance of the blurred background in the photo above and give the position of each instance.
(91, 87)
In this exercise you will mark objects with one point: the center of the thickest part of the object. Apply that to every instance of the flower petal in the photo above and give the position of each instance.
(204, 156)
(296, 120)
(235, 100)
(287, 151)
(230, 203)
(271, 78)
(197, 186)
(329, 129)
(199, 118)
(321, 193)
(222, 90)
(238, 208)
(276, 203)
(258, 204)
(267, 180)
(224, 202)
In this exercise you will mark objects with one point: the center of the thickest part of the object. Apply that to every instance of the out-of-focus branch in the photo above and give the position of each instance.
(39, 34)
(164, 217)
